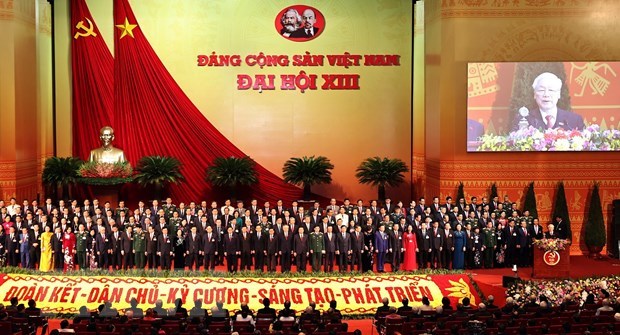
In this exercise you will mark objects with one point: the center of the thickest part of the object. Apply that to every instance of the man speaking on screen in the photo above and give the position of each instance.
(547, 89)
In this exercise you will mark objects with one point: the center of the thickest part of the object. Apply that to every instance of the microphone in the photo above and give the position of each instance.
(523, 123)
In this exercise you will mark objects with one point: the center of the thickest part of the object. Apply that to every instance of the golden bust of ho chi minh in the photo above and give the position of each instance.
(107, 153)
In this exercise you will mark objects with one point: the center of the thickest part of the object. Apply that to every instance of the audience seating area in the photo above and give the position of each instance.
(530, 321)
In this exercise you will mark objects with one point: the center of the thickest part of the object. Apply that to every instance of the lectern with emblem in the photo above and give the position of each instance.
(551, 258)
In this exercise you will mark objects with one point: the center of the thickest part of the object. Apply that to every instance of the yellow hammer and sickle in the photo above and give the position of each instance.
(88, 31)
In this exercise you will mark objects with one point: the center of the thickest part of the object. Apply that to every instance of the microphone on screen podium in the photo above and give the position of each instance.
(524, 112)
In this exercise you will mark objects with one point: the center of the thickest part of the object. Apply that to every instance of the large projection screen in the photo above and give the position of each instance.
(544, 106)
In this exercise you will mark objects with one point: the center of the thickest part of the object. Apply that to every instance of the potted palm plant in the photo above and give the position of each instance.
(61, 172)
(231, 173)
(382, 172)
(307, 171)
(159, 172)
(595, 226)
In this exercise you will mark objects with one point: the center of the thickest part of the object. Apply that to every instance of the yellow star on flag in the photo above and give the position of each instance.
(126, 28)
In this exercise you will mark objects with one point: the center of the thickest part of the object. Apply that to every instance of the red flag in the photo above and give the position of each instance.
(93, 74)
(155, 117)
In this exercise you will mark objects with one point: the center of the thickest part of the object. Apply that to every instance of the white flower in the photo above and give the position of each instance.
(528, 290)
(561, 144)
(577, 143)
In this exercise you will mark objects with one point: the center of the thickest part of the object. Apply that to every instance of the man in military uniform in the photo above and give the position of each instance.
(489, 243)
(82, 243)
(472, 220)
(170, 208)
(499, 210)
(317, 248)
(139, 247)
(527, 218)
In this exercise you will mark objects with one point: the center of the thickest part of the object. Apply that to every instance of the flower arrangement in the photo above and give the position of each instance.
(551, 244)
(96, 173)
(591, 138)
(557, 291)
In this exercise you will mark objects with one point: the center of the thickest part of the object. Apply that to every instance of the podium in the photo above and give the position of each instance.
(551, 264)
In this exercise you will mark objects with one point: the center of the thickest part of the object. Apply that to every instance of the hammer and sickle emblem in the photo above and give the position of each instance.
(88, 31)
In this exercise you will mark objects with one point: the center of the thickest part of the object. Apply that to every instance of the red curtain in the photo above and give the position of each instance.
(154, 117)
(93, 74)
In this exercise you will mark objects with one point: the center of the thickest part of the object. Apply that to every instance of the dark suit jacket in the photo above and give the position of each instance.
(231, 245)
(272, 245)
(565, 119)
(357, 244)
(436, 238)
(300, 245)
(286, 243)
(330, 244)
(193, 245)
(209, 246)
(259, 245)
(164, 245)
(301, 33)
(343, 244)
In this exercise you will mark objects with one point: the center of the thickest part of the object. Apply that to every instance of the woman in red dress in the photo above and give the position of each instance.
(68, 248)
(410, 244)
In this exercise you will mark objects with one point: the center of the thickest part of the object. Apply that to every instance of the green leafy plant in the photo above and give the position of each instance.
(381, 172)
(530, 201)
(61, 172)
(232, 172)
(595, 235)
(307, 171)
(560, 208)
(159, 172)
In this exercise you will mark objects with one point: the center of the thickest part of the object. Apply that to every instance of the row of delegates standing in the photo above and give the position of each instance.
(57, 250)
(32, 249)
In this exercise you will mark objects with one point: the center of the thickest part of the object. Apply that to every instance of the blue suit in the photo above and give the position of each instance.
(24, 250)
(382, 244)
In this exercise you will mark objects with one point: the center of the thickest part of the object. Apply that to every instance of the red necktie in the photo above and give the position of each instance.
(549, 118)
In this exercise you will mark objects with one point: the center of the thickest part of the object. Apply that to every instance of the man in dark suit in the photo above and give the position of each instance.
(11, 246)
(546, 115)
(35, 246)
(231, 249)
(343, 248)
(330, 248)
(286, 248)
(245, 247)
(117, 247)
(436, 246)
(448, 246)
(209, 248)
(165, 249)
(127, 247)
(561, 228)
(536, 230)
(424, 245)
(259, 248)
(193, 247)
(523, 244)
(301, 250)
(151, 248)
(272, 248)
(57, 248)
(357, 248)
(396, 244)
(103, 247)
(511, 236)
(382, 246)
